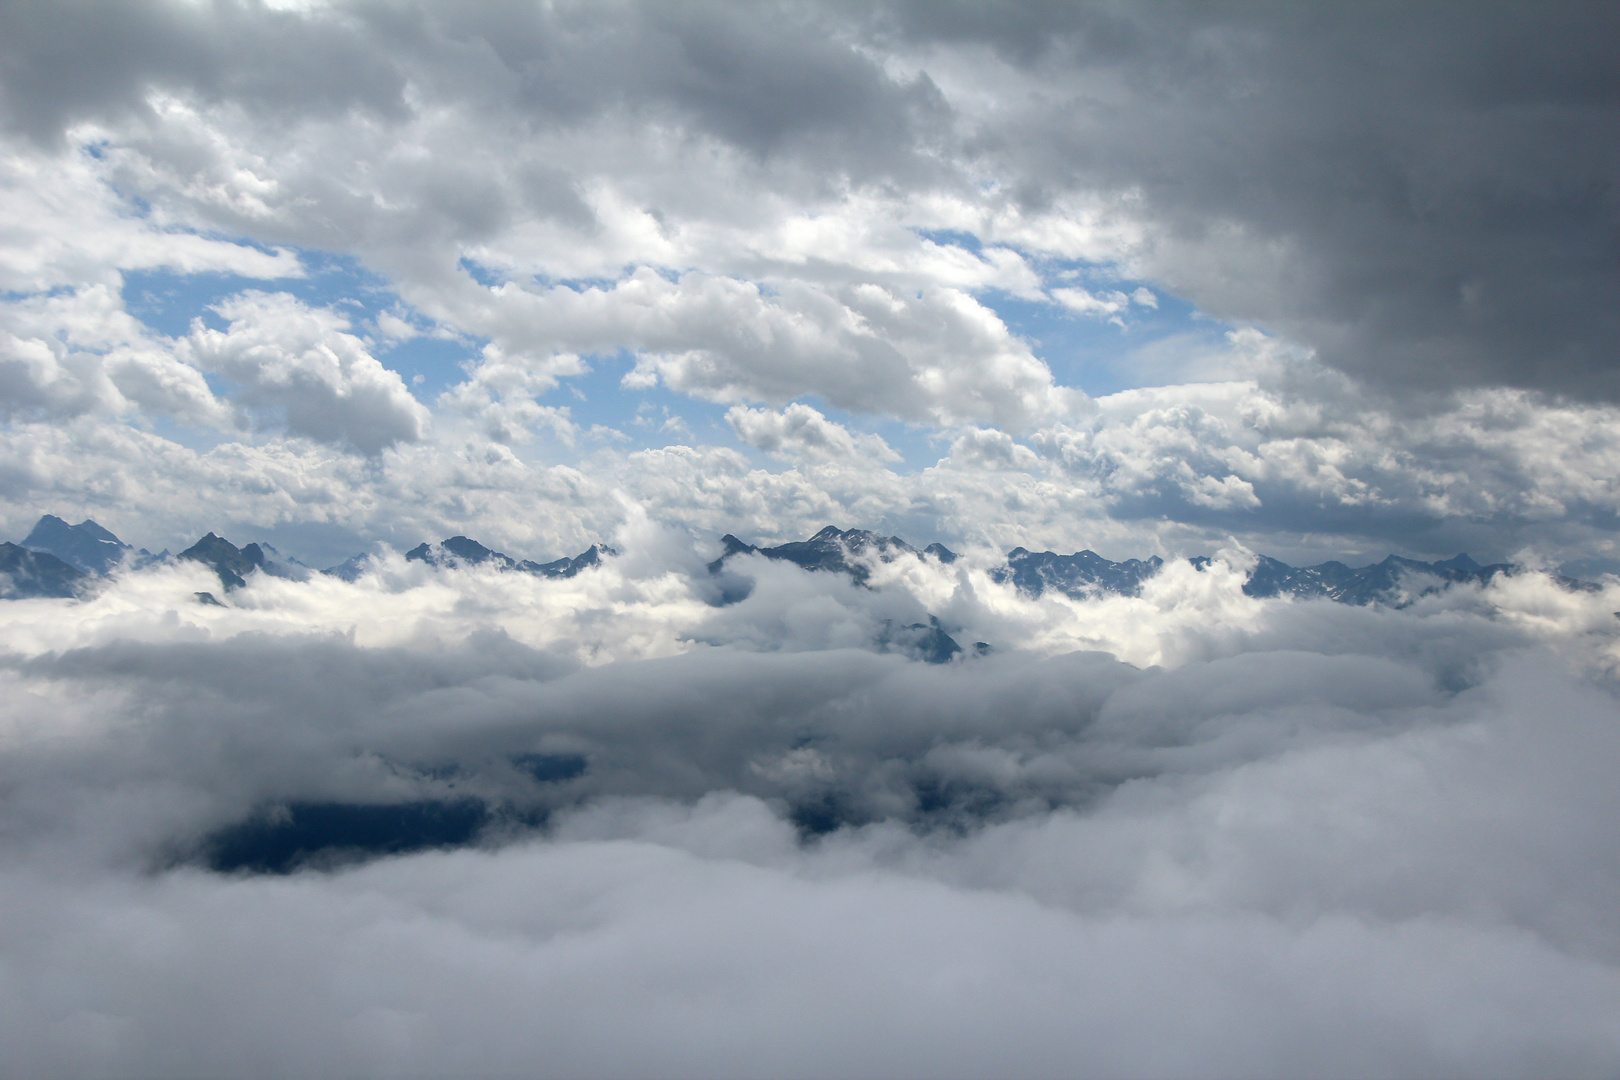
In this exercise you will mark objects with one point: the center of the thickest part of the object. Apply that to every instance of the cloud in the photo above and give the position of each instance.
(82, 61)
(75, 353)
(800, 430)
(1109, 305)
(695, 837)
(302, 367)
(1371, 183)
(940, 356)
(501, 393)
(66, 228)
(667, 200)
(1171, 471)
(1295, 806)
(992, 450)
(1429, 235)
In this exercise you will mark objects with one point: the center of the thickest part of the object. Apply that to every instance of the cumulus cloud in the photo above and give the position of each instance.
(75, 353)
(303, 367)
(1428, 234)
(1388, 233)
(1169, 471)
(981, 448)
(1110, 305)
(64, 227)
(1357, 193)
(800, 430)
(939, 356)
(501, 393)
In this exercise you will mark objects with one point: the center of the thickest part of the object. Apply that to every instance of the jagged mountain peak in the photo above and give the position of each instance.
(1081, 574)
(231, 563)
(856, 538)
(1085, 573)
(87, 546)
(234, 564)
(458, 551)
(829, 549)
(464, 551)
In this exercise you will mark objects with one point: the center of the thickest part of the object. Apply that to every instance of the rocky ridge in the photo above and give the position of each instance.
(58, 560)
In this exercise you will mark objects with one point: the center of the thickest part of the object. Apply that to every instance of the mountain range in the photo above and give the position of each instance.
(1085, 574)
(59, 560)
(460, 551)
(87, 547)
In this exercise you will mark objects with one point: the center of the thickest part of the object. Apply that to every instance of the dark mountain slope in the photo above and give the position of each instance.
(25, 574)
(833, 549)
(231, 563)
(1395, 580)
(461, 551)
(86, 546)
(1077, 575)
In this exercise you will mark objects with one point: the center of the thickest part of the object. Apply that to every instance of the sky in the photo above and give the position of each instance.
(1143, 279)
(1303, 280)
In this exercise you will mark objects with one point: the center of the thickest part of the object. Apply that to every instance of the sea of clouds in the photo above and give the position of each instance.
(1333, 282)
(1188, 833)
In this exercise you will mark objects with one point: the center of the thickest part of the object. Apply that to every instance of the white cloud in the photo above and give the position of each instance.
(1277, 812)
(1174, 470)
(74, 353)
(65, 226)
(1108, 305)
(302, 367)
(501, 393)
(801, 431)
(940, 357)
(988, 449)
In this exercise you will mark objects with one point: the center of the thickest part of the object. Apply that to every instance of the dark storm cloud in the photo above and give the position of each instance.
(762, 77)
(1426, 192)
(98, 59)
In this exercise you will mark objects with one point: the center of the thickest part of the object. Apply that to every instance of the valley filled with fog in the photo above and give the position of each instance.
(458, 818)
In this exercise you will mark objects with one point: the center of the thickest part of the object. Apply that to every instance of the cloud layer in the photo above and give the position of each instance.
(1307, 828)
